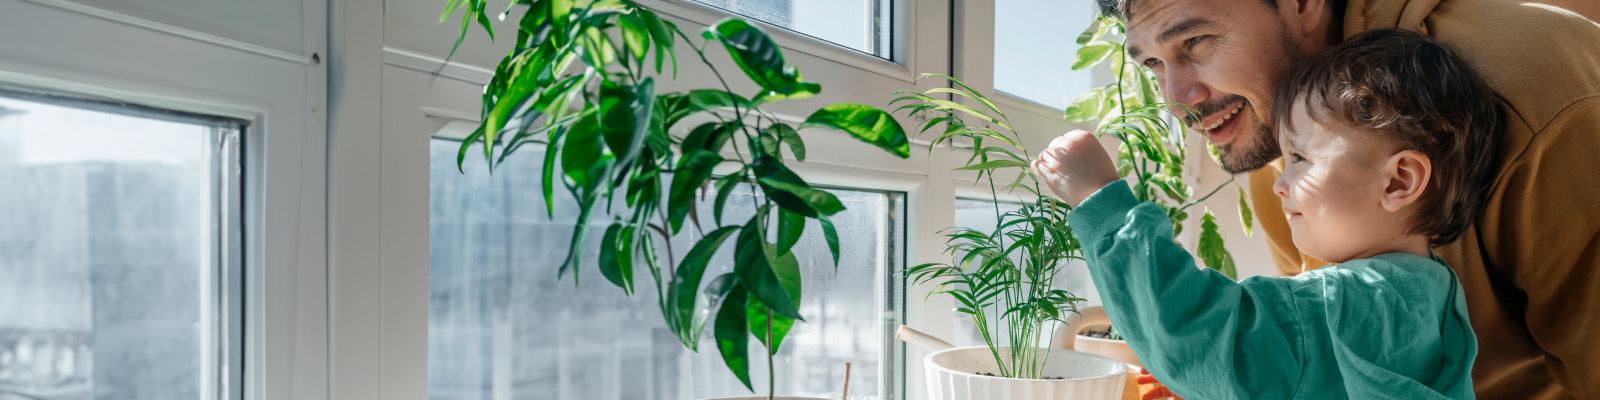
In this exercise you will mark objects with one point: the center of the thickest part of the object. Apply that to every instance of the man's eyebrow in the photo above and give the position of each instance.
(1181, 28)
(1172, 32)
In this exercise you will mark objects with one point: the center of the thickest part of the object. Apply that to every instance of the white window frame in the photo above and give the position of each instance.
(380, 215)
(101, 54)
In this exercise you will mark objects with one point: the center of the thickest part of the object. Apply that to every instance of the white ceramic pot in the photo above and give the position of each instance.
(956, 374)
(1067, 336)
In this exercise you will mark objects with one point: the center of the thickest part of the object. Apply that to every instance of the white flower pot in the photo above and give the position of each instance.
(1067, 336)
(955, 374)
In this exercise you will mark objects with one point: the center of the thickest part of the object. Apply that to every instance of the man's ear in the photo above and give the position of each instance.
(1408, 173)
(1306, 19)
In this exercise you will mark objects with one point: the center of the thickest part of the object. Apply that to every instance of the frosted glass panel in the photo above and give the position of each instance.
(502, 325)
(1034, 46)
(112, 257)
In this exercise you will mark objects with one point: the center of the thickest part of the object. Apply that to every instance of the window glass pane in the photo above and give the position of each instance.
(1034, 46)
(1074, 277)
(503, 325)
(112, 250)
(863, 25)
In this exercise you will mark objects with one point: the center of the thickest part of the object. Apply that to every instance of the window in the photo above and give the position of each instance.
(119, 252)
(863, 25)
(1074, 278)
(1034, 49)
(502, 325)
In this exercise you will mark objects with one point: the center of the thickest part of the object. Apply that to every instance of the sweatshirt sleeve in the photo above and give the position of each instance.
(1201, 334)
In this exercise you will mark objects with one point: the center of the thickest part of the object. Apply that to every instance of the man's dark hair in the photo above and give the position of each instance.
(1119, 8)
(1407, 87)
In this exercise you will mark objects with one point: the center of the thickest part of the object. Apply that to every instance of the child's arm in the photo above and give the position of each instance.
(1200, 333)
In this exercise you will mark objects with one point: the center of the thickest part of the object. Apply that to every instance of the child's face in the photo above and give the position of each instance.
(1333, 183)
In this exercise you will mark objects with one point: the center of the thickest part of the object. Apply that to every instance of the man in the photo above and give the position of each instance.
(1530, 266)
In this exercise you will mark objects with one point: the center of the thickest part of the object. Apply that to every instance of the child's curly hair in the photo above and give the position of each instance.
(1412, 89)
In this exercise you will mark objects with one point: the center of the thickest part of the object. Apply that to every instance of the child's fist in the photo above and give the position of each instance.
(1074, 166)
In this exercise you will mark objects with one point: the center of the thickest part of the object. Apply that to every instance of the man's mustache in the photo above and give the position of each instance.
(1206, 109)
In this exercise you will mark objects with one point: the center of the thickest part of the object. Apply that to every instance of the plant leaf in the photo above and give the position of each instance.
(762, 60)
(626, 112)
(832, 237)
(993, 165)
(865, 122)
(1211, 249)
(790, 137)
(686, 280)
(692, 172)
(635, 36)
(811, 202)
(616, 256)
(790, 227)
(1245, 216)
(725, 186)
(763, 273)
(1092, 53)
(733, 334)
(710, 300)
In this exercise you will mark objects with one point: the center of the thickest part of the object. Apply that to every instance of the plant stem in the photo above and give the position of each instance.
(1186, 206)
(772, 374)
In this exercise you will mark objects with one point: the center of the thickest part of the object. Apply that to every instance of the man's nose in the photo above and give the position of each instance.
(1184, 87)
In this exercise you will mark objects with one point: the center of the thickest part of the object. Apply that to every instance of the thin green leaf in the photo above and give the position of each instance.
(1246, 218)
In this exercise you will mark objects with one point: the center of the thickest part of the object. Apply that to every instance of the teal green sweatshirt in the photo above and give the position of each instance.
(1389, 327)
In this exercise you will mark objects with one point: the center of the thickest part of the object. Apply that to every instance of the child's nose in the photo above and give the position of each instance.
(1281, 186)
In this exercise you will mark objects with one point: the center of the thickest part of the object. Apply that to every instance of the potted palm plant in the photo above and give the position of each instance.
(580, 80)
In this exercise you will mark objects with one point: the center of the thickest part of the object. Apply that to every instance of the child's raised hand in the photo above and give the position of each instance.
(1074, 166)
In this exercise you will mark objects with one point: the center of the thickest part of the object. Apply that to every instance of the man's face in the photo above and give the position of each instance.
(1224, 58)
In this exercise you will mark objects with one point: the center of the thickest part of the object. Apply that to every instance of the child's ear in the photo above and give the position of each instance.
(1408, 173)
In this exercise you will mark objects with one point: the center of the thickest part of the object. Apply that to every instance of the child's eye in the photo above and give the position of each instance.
(1295, 157)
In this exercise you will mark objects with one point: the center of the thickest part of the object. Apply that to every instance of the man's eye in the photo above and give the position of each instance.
(1191, 42)
(1151, 62)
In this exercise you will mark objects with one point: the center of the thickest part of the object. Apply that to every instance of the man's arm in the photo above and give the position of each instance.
(1541, 230)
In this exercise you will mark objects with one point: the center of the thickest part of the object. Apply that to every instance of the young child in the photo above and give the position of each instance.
(1387, 144)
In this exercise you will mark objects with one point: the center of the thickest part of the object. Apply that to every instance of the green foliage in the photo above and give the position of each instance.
(580, 81)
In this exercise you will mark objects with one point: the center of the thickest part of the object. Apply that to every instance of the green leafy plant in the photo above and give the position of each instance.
(582, 82)
(1009, 272)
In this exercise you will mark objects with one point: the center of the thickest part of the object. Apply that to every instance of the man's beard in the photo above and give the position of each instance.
(1241, 156)
(1238, 158)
